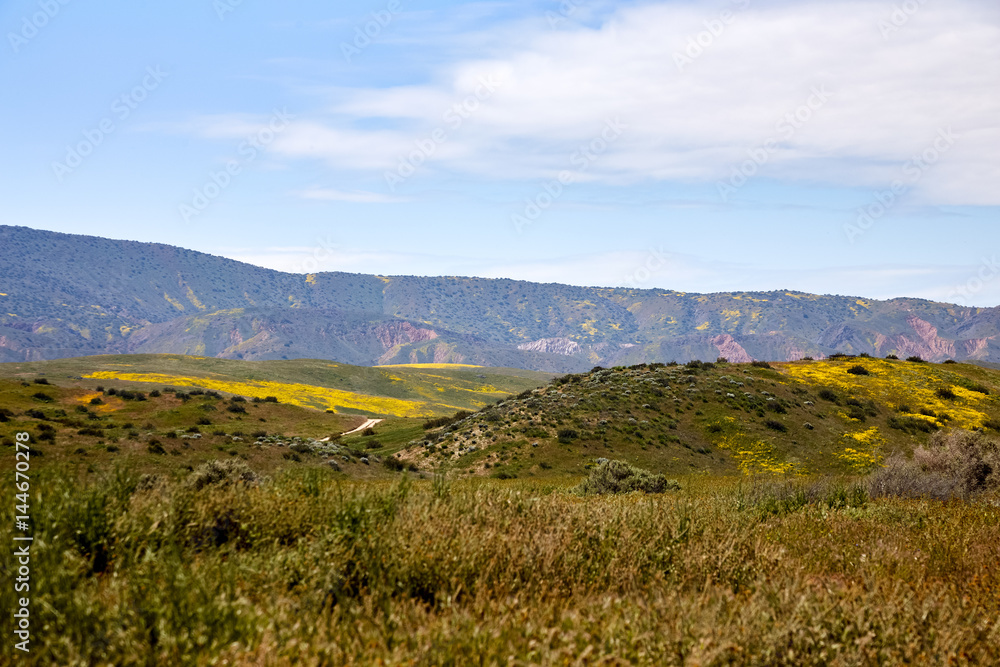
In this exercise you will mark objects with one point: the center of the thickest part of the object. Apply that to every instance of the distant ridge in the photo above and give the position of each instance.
(64, 295)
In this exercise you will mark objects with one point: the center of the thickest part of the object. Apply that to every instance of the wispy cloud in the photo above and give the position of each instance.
(354, 197)
(889, 98)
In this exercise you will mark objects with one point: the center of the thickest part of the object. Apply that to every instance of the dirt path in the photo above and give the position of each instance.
(368, 424)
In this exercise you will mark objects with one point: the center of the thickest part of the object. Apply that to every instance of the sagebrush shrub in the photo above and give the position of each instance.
(958, 464)
(621, 477)
(223, 473)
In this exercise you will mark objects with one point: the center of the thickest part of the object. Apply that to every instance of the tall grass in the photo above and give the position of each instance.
(303, 570)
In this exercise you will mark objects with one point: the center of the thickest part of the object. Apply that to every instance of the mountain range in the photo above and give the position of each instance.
(64, 295)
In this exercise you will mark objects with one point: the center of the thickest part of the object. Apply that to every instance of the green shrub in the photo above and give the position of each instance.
(858, 370)
(828, 395)
(912, 424)
(775, 425)
(621, 477)
(567, 435)
(393, 464)
(222, 473)
(946, 393)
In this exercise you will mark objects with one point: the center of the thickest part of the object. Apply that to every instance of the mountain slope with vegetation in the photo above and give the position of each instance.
(838, 416)
(66, 295)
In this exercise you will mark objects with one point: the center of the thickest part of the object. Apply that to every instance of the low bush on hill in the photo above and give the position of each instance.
(621, 477)
(222, 473)
(946, 393)
(957, 464)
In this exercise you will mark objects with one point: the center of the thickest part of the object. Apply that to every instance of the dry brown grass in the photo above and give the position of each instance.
(302, 570)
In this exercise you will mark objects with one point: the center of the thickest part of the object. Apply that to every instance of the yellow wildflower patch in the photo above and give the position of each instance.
(173, 302)
(295, 394)
(194, 300)
(753, 456)
(896, 384)
(864, 451)
(110, 403)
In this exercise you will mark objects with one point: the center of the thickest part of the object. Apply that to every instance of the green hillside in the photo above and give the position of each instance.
(403, 391)
(167, 413)
(840, 416)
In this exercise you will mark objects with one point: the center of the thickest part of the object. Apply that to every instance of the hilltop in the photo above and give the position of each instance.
(839, 416)
(65, 295)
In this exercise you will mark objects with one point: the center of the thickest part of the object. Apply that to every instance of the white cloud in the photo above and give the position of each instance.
(890, 95)
(354, 197)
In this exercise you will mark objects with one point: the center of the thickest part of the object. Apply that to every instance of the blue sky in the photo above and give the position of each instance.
(827, 146)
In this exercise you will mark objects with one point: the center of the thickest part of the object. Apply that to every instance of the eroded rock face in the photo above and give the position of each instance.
(926, 342)
(401, 333)
(731, 350)
(552, 346)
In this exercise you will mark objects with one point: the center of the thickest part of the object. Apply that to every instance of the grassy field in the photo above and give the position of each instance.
(403, 391)
(302, 569)
(192, 527)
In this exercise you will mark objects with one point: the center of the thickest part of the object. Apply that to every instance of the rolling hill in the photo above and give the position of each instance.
(837, 416)
(66, 295)
(840, 416)
(401, 391)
